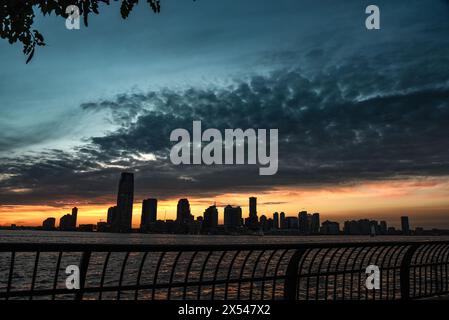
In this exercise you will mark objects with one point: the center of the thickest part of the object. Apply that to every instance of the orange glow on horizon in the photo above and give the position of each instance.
(424, 200)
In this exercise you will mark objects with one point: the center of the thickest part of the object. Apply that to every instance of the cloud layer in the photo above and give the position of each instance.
(366, 118)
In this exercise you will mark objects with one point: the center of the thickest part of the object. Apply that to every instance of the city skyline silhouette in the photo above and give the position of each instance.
(119, 220)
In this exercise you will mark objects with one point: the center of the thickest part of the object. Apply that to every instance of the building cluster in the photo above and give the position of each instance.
(67, 222)
(366, 227)
(119, 220)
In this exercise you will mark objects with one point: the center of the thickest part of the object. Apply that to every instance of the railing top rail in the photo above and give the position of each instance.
(82, 247)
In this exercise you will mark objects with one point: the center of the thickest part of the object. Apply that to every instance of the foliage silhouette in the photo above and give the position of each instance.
(17, 17)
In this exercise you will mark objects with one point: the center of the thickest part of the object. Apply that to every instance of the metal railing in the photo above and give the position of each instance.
(325, 271)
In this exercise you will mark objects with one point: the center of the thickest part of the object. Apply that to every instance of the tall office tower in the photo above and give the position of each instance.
(315, 223)
(232, 217)
(282, 221)
(125, 197)
(68, 221)
(383, 227)
(183, 212)
(263, 222)
(210, 220)
(253, 207)
(112, 215)
(303, 221)
(252, 221)
(276, 220)
(374, 227)
(405, 225)
(74, 217)
(65, 223)
(149, 213)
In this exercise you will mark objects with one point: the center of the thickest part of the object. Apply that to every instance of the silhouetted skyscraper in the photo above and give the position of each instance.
(68, 221)
(252, 221)
(315, 223)
(112, 214)
(263, 222)
(253, 207)
(303, 221)
(65, 223)
(149, 213)
(210, 221)
(183, 214)
(232, 217)
(74, 216)
(405, 225)
(125, 198)
(383, 227)
(282, 223)
(276, 220)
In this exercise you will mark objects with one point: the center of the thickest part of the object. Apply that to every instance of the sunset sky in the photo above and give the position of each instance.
(363, 116)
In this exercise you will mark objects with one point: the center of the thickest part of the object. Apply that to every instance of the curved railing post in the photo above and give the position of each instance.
(404, 275)
(291, 275)
(84, 264)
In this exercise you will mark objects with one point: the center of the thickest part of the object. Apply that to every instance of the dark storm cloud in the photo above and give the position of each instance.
(369, 119)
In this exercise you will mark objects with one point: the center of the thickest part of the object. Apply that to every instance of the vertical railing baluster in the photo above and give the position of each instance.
(360, 272)
(172, 274)
(242, 269)
(326, 279)
(103, 274)
(311, 264)
(186, 278)
(275, 275)
(256, 263)
(337, 265)
(291, 275)
(139, 275)
(156, 273)
(11, 274)
(345, 270)
(84, 265)
(55, 280)
(390, 264)
(202, 274)
(265, 274)
(231, 265)
(217, 267)
(33, 280)
(122, 272)
(300, 268)
(353, 270)
(404, 277)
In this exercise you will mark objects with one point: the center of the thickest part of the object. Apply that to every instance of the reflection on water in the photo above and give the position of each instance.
(137, 238)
